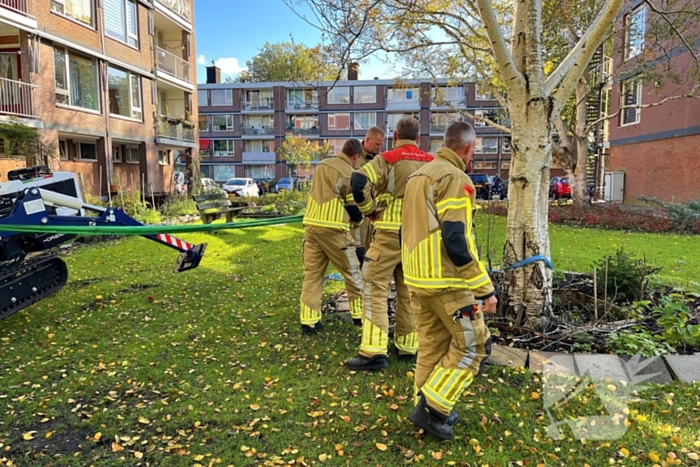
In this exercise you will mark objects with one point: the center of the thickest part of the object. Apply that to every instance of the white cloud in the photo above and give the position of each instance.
(202, 60)
(229, 65)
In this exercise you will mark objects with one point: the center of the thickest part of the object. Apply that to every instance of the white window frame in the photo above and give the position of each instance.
(635, 30)
(203, 102)
(62, 12)
(370, 91)
(229, 122)
(492, 149)
(506, 144)
(117, 155)
(446, 93)
(259, 145)
(479, 113)
(483, 93)
(638, 101)
(401, 95)
(228, 97)
(63, 150)
(66, 92)
(130, 152)
(78, 152)
(333, 117)
(230, 148)
(164, 156)
(131, 38)
(372, 120)
(334, 94)
(136, 112)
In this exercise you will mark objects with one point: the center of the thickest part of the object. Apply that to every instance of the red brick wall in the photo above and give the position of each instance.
(667, 169)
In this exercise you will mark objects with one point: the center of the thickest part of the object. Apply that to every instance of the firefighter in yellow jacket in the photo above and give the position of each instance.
(370, 148)
(377, 185)
(445, 279)
(329, 214)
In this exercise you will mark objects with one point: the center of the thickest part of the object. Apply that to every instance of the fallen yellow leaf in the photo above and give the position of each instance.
(624, 452)
(198, 457)
(138, 454)
(97, 436)
(29, 435)
(323, 457)
(380, 446)
(654, 456)
(254, 407)
(534, 395)
(116, 447)
(694, 455)
(144, 420)
(436, 455)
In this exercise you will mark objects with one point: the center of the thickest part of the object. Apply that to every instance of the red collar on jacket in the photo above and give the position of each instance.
(406, 151)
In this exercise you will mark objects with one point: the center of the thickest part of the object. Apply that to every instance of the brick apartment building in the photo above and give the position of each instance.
(110, 83)
(241, 124)
(656, 147)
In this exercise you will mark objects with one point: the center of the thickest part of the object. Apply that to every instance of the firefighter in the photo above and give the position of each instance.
(385, 176)
(374, 139)
(445, 279)
(329, 214)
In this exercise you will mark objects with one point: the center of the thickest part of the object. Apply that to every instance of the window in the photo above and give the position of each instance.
(365, 120)
(117, 154)
(258, 146)
(222, 173)
(164, 157)
(402, 97)
(132, 155)
(339, 95)
(484, 165)
(486, 146)
(302, 122)
(338, 121)
(435, 144)
(265, 172)
(447, 95)
(635, 24)
(79, 10)
(393, 119)
(124, 93)
(222, 122)
(221, 97)
(302, 98)
(483, 93)
(505, 144)
(479, 113)
(335, 146)
(203, 122)
(258, 99)
(631, 96)
(202, 98)
(86, 151)
(62, 149)
(76, 80)
(440, 121)
(505, 165)
(223, 147)
(365, 94)
(121, 21)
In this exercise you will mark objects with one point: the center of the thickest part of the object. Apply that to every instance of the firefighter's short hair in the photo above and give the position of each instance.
(459, 135)
(352, 147)
(408, 128)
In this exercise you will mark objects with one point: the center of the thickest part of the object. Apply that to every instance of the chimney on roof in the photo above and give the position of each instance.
(213, 74)
(353, 71)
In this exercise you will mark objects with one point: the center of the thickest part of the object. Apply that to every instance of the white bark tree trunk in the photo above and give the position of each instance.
(528, 288)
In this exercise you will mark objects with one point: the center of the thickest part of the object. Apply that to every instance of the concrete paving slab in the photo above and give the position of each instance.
(507, 356)
(601, 367)
(653, 366)
(345, 316)
(538, 358)
(557, 363)
(342, 306)
(685, 368)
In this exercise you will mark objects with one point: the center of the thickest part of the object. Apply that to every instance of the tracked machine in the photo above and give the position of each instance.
(30, 269)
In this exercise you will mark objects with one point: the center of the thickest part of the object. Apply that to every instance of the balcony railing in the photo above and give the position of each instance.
(303, 131)
(172, 64)
(403, 104)
(18, 6)
(16, 98)
(259, 104)
(247, 131)
(308, 105)
(178, 131)
(438, 127)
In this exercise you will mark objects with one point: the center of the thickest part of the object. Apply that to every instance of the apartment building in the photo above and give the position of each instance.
(656, 146)
(241, 124)
(110, 83)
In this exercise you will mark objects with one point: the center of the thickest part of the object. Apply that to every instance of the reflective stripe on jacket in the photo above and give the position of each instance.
(387, 174)
(330, 193)
(442, 200)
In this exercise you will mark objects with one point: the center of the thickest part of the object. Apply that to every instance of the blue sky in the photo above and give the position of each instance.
(232, 31)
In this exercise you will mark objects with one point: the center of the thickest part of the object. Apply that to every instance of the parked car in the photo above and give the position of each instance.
(559, 188)
(286, 183)
(263, 185)
(209, 186)
(241, 187)
(482, 184)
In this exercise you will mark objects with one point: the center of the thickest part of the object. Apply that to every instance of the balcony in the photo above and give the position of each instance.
(176, 130)
(172, 64)
(264, 131)
(17, 6)
(303, 131)
(308, 105)
(438, 127)
(16, 98)
(266, 103)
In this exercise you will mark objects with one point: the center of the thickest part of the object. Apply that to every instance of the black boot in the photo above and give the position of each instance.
(357, 322)
(452, 419)
(407, 357)
(430, 420)
(360, 363)
(311, 330)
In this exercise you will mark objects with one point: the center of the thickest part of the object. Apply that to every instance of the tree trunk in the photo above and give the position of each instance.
(579, 181)
(528, 289)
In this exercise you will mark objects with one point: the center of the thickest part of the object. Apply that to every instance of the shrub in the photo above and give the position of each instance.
(673, 317)
(627, 277)
(177, 205)
(683, 217)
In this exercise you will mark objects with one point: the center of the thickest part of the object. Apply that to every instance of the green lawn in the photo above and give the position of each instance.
(131, 364)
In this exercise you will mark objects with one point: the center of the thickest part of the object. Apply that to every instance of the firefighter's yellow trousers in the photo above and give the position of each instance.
(320, 246)
(453, 344)
(382, 262)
